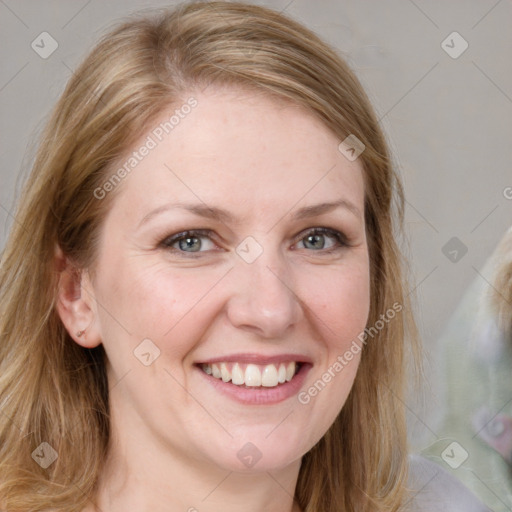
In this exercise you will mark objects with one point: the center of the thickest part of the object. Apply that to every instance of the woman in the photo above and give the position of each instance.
(202, 290)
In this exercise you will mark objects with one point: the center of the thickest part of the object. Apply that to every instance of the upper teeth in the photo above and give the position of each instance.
(253, 375)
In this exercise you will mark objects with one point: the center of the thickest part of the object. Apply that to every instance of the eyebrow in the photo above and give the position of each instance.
(319, 209)
(221, 215)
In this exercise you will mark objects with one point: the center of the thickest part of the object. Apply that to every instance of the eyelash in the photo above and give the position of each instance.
(339, 238)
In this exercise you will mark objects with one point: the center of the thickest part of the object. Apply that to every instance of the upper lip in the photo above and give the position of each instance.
(261, 359)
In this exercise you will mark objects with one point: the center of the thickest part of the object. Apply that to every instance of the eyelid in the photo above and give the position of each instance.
(170, 240)
(339, 236)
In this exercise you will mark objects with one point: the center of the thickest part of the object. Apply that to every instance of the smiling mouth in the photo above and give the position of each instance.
(252, 375)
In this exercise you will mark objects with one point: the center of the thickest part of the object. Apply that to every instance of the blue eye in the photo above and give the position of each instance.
(323, 239)
(190, 241)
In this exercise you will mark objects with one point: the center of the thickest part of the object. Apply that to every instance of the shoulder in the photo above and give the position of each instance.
(433, 488)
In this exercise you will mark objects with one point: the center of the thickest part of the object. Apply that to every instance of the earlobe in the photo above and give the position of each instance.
(75, 304)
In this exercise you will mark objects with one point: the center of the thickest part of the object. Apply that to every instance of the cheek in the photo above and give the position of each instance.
(339, 300)
(171, 307)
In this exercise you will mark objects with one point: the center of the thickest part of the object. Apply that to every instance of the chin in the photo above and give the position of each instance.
(254, 454)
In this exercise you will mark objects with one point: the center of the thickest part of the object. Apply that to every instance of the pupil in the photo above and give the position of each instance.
(190, 244)
(315, 241)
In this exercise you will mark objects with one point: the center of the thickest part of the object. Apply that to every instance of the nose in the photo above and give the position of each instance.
(263, 299)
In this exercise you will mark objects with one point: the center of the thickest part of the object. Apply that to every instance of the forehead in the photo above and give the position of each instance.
(241, 148)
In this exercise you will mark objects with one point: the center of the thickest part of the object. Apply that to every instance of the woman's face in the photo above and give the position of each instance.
(234, 251)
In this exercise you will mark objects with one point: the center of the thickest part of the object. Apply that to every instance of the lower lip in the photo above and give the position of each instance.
(260, 395)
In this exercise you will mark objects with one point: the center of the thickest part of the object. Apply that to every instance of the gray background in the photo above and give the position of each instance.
(448, 120)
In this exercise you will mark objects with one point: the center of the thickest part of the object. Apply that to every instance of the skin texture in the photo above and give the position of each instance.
(175, 437)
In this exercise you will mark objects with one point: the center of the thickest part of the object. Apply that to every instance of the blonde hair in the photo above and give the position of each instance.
(501, 290)
(53, 390)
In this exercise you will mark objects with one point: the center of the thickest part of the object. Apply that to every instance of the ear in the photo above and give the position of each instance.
(75, 303)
